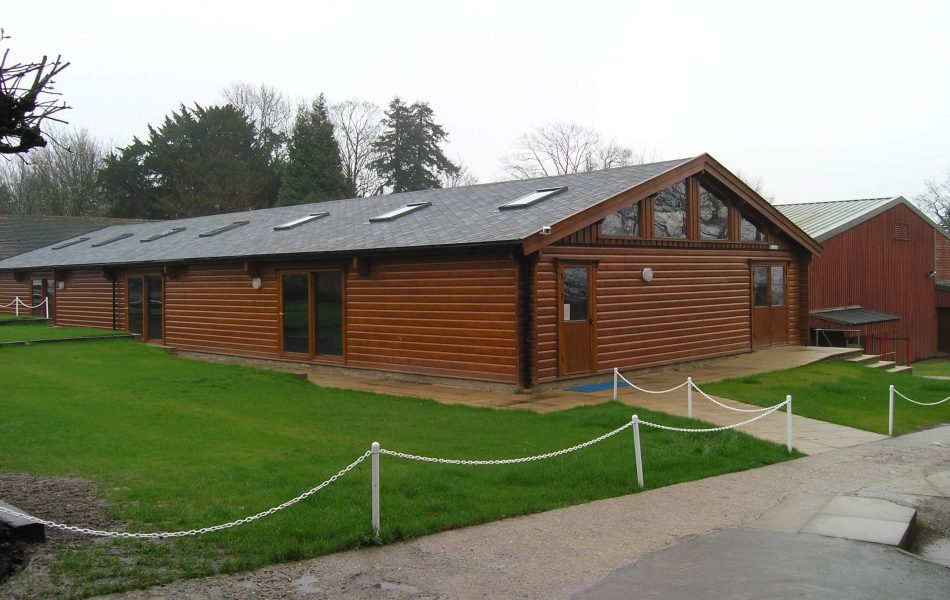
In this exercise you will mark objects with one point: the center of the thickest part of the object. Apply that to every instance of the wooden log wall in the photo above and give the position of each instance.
(698, 305)
(215, 309)
(10, 288)
(882, 265)
(453, 317)
(86, 301)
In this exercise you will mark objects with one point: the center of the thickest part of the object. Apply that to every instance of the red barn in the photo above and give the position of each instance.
(876, 275)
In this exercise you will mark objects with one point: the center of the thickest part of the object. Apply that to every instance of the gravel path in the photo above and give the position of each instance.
(561, 553)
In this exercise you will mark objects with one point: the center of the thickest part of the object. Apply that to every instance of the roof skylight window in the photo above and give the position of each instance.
(534, 197)
(301, 221)
(402, 210)
(219, 230)
(167, 233)
(121, 236)
(70, 243)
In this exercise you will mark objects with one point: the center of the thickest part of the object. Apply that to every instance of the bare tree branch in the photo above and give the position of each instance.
(356, 125)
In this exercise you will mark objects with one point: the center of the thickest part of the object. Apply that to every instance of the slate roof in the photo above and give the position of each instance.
(824, 220)
(20, 234)
(853, 315)
(464, 216)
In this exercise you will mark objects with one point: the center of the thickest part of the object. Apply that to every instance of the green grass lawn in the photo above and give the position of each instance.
(33, 332)
(844, 393)
(934, 366)
(179, 444)
(23, 317)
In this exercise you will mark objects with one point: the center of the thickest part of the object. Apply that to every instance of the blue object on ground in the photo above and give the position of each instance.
(598, 387)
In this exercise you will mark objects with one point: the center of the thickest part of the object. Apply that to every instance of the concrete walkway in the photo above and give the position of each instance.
(584, 551)
(808, 435)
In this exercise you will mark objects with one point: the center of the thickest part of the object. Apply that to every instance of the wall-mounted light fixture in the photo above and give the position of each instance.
(647, 274)
(256, 283)
(546, 230)
(60, 285)
(773, 247)
(931, 273)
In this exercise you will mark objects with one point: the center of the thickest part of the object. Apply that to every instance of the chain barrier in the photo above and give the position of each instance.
(732, 408)
(191, 532)
(16, 300)
(645, 391)
(769, 410)
(25, 305)
(504, 461)
(912, 401)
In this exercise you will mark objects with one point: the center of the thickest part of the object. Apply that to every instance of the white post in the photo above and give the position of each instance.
(890, 414)
(374, 450)
(46, 302)
(615, 384)
(788, 421)
(636, 450)
(16, 303)
(689, 397)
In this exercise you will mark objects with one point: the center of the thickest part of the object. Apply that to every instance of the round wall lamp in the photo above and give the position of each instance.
(647, 274)
(256, 283)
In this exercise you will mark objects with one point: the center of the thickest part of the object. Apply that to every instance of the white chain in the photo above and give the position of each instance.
(771, 410)
(504, 461)
(920, 403)
(25, 305)
(645, 391)
(732, 408)
(15, 300)
(190, 532)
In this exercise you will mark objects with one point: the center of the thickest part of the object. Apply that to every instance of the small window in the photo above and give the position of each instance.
(301, 221)
(625, 222)
(70, 243)
(159, 236)
(220, 230)
(112, 239)
(669, 212)
(533, 198)
(713, 216)
(402, 210)
(750, 232)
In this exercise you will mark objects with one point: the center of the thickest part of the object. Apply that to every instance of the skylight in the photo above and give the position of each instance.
(70, 243)
(402, 210)
(167, 233)
(233, 225)
(533, 197)
(121, 236)
(301, 221)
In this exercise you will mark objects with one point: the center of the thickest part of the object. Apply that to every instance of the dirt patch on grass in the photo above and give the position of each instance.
(69, 500)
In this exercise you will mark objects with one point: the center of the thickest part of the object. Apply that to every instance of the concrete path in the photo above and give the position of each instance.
(576, 552)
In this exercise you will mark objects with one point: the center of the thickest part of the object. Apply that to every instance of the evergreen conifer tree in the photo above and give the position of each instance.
(313, 172)
(409, 156)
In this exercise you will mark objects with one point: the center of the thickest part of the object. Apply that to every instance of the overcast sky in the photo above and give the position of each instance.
(820, 100)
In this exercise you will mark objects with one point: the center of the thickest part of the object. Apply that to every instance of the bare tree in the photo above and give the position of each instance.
(357, 125)
(935, 201)
(59, 179)
(756, 184)
(562, 148)
(269, 110)
(460, 178)
(27, 98)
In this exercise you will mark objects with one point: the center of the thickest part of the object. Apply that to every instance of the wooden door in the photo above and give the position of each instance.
(769, 306)
(575, 320)
(145, 307)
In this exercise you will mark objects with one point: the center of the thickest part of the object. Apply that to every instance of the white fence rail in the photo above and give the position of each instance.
(17, 303)
(890, 411)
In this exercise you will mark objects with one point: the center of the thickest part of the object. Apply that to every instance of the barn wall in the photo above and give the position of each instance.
(86, 301)
(869, 266)
(452, 316)
(698, 305)
(10, 288)
(942, 246)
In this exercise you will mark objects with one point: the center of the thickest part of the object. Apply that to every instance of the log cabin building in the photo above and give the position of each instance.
(878, 275)
(519, 283)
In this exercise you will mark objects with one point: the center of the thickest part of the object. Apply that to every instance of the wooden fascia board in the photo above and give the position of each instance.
(751, 197)
(582, 219)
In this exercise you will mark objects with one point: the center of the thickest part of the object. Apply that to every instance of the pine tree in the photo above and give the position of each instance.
(409, 156)
(314, 171)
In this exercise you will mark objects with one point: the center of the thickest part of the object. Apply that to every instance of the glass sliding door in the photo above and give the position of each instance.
(153, 287)
(136, 314)
(329, 311)
(295, 312)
